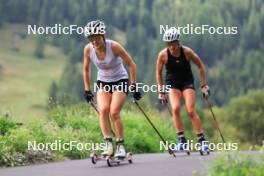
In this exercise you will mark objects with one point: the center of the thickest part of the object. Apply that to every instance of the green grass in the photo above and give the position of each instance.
(237, 164)
(77, 123)
(80, 123)
(25, 80)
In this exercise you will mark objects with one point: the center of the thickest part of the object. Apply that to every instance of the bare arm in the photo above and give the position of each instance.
(86, 68)
(120, 51)
(159, 68)
(191, 55)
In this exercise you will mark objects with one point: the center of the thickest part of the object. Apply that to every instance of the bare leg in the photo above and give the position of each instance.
(118, 100)
(175, 97)
(190, 98)
(104, 100)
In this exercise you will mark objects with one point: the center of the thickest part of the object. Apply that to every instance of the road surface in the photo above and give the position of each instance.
(144, 164)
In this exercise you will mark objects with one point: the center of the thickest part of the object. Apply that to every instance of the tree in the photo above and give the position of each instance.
(1, 70)
(53, 91)
(229, 58)
(71, 85)
(1, 14)
(39, 51)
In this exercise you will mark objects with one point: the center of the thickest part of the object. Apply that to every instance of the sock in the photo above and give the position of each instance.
(181, 137)
(108, 139)
(120, 141)
(200, 137)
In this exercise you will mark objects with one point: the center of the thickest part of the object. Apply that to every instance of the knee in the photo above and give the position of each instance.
(104, 111)
(115, 115)
(191, 112)
(176, 110)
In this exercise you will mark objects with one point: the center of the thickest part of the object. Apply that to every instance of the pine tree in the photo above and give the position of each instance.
(39, 50)
(53, 91)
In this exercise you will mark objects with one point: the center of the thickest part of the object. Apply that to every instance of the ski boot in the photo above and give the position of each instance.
(204, 147)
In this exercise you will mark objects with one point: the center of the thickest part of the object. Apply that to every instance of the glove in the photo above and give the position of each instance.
(136, 94)
(88, 96)
(162, 99)
(205, 90)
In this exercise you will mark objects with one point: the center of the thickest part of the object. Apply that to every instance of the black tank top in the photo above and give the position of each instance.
(178, 69)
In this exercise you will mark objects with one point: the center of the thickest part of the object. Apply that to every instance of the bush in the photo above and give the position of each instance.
(246, 115)
(80, 123)
(237, 165)
(5, 126)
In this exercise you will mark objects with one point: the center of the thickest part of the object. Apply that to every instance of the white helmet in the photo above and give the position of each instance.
(94, 27)
(171, 34)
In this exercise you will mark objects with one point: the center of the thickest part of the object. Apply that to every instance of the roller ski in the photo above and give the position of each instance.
(117, 160)
(120, 156)
(111, 159)
(106, 154)
(204, 148)
(182, 147)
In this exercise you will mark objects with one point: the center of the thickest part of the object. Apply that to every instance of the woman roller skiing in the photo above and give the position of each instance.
(113, 81)
(176, 58)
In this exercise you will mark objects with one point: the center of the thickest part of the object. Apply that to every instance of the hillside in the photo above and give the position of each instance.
(25, 79)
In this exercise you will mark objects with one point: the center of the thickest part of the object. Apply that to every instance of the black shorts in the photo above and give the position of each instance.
(120, 85)
(181, 85)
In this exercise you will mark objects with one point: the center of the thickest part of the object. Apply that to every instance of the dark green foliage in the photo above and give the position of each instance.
(39, 51)
(237, 164)
(71, 85)
(137, 25)
(246, 115)
(6, 125)
(53, 94)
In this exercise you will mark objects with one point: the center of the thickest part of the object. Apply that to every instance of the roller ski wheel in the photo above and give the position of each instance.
(204, 150)
(111, 160)
(93, 157)
(129, 157)
(117, 160)
(181, 149)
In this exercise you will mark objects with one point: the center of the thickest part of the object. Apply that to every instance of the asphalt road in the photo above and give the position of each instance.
(143, 164)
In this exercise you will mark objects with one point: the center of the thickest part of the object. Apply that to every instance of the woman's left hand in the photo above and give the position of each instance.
(205, 91)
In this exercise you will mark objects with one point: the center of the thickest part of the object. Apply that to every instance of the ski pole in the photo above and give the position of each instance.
(168, 108)
(163, 140)
(94, 107)
(215, 121)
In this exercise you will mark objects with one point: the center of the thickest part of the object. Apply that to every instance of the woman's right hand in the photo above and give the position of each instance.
(135, 92)
(88, 96)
